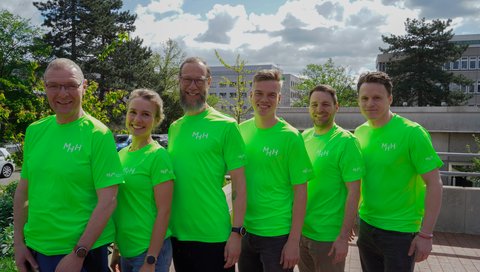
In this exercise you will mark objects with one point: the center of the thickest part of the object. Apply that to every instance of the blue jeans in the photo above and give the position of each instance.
(164, 260)
(260, 253)
(384, 250)
(95, 261)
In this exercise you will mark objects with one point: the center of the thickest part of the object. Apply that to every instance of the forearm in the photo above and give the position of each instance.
(158, 232)
(20, 210)
(107, 203)
(239, 196)
(351, 209)
(163, 200)
(298, 211)
(433, 203)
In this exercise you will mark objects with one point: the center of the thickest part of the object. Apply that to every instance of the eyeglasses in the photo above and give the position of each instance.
(199, 82)
(69, 87)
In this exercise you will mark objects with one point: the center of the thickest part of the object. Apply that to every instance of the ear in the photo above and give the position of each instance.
(390, 99)
(85, 85)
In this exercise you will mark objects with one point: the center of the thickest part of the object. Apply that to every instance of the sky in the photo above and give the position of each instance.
(288, 33)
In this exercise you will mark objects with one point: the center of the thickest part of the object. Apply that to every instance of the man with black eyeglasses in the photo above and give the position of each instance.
(205, 145)
(68, 185)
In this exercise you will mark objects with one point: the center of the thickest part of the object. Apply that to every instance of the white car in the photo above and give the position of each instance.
(7, 167)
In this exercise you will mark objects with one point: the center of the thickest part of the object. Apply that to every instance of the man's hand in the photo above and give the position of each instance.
(115, 260)
(70, 263)
(421, 247)
(147, 268)
(290, 254)
(340, 249)
(24, 259)
(232, 250)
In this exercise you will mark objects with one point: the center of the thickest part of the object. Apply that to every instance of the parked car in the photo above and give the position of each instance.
(123, 140)
(162, 139)
(7, 167)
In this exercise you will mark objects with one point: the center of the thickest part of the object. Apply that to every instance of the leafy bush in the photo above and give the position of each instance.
(7, 265)
(6, 224)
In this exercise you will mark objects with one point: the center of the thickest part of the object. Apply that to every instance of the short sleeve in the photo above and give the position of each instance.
(422, 153)
(106, 167)
(234, 148)
(300, 167)
(162, 168)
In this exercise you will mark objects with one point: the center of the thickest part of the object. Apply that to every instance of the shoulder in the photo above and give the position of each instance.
(408, 125)
(42, 122)
(343, 133)
(215, 115)
(247, 123)
(288, 129)
(95, 125)
(308, 133)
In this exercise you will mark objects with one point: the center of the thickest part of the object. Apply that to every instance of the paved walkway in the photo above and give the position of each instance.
(451, 253)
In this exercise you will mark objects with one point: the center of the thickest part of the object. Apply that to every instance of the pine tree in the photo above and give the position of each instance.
(416, 64)
(95, 35)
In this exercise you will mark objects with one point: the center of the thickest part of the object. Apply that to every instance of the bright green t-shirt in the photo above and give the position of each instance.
(277, 160)
(65, 164)
(136, 211)
(393, 191)
(203, 148)
(336, 159)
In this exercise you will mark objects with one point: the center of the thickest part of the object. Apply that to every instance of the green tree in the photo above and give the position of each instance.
(166, 66)
(416, 64)
(95, 35)
(21, 49)
(330, 74)
(239, 107)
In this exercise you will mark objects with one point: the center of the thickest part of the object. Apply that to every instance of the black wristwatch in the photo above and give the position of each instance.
(150, 259)
(80, 251)
(240, 230)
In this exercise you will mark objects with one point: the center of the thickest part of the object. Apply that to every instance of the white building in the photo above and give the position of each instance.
(228, 92)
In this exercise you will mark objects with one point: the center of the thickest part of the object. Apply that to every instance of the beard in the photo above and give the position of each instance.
(196, 105)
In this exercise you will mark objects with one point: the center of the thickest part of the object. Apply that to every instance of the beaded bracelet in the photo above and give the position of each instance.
(425, 235)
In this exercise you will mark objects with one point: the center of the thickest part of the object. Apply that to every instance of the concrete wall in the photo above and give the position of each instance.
(460, 210)
(451, 128)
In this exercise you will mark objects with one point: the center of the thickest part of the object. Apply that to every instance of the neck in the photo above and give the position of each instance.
(320, 130)
(139, 142)
(68, 119)
(381, 121)
(265, 122)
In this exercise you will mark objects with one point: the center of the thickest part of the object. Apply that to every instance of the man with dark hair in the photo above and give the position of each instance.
(277, 170)
(205, 145)
(402, 190)
(333, 194)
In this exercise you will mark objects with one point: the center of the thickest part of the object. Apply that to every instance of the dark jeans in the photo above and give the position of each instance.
(383, 250)
(192, 256)
(261, 253)
(96, 260)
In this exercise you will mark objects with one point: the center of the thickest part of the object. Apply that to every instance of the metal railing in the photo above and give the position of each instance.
(452, 176)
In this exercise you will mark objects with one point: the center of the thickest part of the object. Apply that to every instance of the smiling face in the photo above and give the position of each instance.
(65, 89)
(374, 102)
(322, 109)
(194, 84)
(141, 117)
(264, 97)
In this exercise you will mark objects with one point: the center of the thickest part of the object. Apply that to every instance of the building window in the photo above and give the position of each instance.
(471, 88)
(446, 66)
(456, 65)
(473, 63)
(223, 84)
(478, 86)
(464, 63)
(223, 95)
(233, 95)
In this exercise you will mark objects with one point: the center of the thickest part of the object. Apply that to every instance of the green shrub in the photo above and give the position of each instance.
(6, 226)
(6, 204)
(7, 265)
